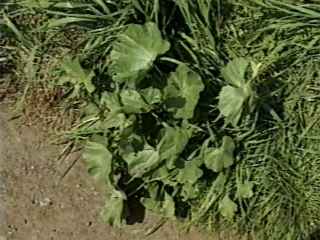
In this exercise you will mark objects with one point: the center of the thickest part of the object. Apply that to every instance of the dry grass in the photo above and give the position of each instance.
(42, 106)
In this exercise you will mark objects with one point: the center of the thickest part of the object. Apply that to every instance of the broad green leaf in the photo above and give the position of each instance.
(235, 72)
(114, 209)
(99, 161)
(220, 158)
(161, 173)
(77, 76)
(190, 173)
(173, 143)
(233, 97)
(231, 103)
(113, 120)
(111, 101)
(135, 51)
(183, 92)
(245, 190)
(151, 95)
(91, 109)
(133, 102)
(113, 115)
(227, 208)
(142, 162)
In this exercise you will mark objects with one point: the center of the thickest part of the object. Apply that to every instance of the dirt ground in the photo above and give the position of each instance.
(39, 201)
(37, 204)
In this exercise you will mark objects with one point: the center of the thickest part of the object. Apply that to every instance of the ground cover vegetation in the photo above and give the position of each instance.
(206, 111)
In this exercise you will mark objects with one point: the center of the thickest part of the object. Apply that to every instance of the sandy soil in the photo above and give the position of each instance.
(37, 204)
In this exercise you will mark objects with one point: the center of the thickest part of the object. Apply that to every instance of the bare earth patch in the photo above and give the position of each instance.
(37, 204)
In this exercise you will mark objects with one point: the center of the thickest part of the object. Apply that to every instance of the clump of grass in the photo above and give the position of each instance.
(283, 37)
(33, 61)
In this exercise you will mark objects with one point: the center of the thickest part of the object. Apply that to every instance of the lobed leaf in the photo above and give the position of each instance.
(111, 101)
(228, 208)
(233, 97)
(151, 95)
(133, 102)
(190, 191)
(245, 190)
(183, 92)
(142, 162)
(231, 103)
(235, 71)
(190, 173)
(135, 51)
(99, 161)
(220, 158)
(173, 143)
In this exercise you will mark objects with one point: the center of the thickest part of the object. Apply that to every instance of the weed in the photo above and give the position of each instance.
(202, 110)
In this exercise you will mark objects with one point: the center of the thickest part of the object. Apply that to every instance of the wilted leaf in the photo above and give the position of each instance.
(227, 208)
(183, 92)
(135, 51)
(173, 143)
(132, 101)
(113, 210)
(245, 190)
(77, 76)
(142, 162)
(220, 158)
(99, 161)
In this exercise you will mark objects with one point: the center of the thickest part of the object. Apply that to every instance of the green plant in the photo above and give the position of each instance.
(160, 118)
(201, 110)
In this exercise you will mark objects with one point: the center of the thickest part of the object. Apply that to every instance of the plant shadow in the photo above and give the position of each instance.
(315, 235)
(135, 211)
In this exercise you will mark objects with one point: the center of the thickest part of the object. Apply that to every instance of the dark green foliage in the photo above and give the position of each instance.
(206, 107)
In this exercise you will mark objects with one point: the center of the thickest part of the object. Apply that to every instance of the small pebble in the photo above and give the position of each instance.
(46, 202)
